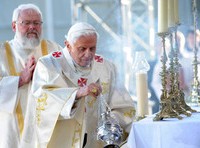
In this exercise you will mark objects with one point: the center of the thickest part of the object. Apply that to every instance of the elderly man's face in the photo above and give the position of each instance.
(83, 50)
(28, 28)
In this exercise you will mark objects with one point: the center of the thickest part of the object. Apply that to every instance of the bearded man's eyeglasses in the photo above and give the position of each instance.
(28, 23)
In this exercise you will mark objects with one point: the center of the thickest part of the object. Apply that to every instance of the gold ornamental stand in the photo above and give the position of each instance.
(195, 92)
(174, 93)
(180, 94)
(166, 110)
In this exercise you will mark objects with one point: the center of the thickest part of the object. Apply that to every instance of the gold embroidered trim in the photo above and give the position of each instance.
(13, 72)
(20, 118)
(91, 102)
(104, 87)
(41, 103)
(129, 113)
(50, 87)
(44, 47)
(77, 132)
(10, 59)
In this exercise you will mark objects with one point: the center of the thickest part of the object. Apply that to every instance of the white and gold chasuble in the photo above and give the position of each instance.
(62, 121)
(13, 100)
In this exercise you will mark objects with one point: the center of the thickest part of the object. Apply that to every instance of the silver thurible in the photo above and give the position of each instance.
(108, 130)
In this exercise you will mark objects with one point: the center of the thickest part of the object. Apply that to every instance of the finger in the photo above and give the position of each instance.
(32, 67)
(31, 57)
(30, 61)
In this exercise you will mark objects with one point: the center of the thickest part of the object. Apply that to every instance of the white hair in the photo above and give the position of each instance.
(20, 8)
(80, 29)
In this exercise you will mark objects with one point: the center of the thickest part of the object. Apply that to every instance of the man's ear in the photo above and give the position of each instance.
(14, 26)
(67, 44)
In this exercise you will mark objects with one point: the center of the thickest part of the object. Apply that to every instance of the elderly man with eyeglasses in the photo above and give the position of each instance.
(76, 92)
(18, 59)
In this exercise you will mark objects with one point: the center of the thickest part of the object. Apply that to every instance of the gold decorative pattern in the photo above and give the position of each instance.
(10, 59)
(129, 113)
(41, 103)
(44, 47)
(13, 72)
(77, 135)
(104, 87)
(50, 87)
(91, 102)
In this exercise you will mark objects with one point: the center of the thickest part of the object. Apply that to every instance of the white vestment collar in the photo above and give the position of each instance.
(73, 74)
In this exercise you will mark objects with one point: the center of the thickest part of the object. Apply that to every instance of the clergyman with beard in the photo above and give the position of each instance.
(18, 59)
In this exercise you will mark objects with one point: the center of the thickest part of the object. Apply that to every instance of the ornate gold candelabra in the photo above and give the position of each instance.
(174, 92)
(166, 110)
(195, 91)
(180, 94)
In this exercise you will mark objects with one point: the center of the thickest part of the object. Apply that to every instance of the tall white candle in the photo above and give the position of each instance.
(142, 93)
(162, 16)
(176, 12)
(171, 15)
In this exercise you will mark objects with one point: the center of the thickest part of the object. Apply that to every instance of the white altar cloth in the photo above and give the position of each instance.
(168, 133)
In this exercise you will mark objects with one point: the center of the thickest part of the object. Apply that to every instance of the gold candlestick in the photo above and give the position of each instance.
(166, 104)
(174, 93)
(195, 92)
(177, 93)
(178, 89)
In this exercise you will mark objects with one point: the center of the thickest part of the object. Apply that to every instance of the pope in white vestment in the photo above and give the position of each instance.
(61, 119)
(14, 99)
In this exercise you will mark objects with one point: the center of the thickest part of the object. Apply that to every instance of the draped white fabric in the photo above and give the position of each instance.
(168, 133)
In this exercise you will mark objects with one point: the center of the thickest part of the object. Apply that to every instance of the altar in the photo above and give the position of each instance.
(168, 133)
